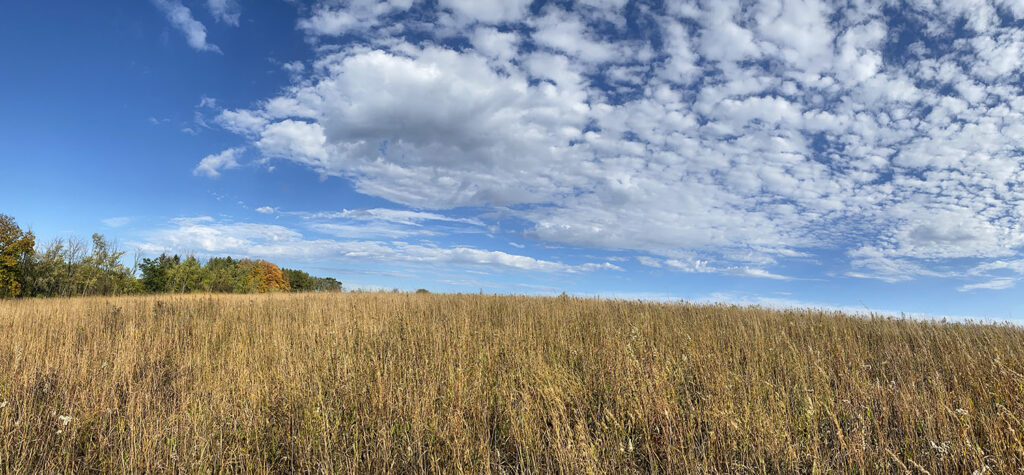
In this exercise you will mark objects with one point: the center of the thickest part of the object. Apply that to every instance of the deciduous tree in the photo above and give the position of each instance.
(16, 249)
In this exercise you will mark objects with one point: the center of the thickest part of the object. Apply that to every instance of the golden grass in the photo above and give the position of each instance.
(414, 382)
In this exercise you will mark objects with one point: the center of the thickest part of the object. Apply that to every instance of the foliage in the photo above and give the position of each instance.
(262, 277)
(222, 275)
(417, 383)
(186, 277)
(299, 281)
(157, 272)
(16, 247)
(72, 267)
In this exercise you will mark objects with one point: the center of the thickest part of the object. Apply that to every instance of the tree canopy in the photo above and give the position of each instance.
(16, 247)
(72, 267)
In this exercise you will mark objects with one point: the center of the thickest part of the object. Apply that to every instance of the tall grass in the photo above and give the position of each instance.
(414, 382)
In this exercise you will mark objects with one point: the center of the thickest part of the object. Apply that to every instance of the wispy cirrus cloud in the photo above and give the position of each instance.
(227, 11)
(181, 19)
(116, 221)
(209, 237)
(994, 284)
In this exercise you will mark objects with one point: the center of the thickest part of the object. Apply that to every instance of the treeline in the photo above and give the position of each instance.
(71, 267)
(224, 274)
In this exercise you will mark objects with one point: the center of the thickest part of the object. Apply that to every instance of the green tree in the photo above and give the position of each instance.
(102, 271)
(156, 273)
(16, 250)
(326, 284)
(222, 274)
(187, 276)
(298, 281)
(40, 272)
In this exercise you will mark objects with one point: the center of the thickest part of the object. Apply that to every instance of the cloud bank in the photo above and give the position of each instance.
(738, 135)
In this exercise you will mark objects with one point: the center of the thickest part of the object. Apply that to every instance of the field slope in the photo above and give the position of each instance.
(407, 382)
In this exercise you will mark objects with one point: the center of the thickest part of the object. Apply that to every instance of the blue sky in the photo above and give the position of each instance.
(858, 155)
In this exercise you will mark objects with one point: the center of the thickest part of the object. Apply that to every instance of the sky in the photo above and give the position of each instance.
(857, 154)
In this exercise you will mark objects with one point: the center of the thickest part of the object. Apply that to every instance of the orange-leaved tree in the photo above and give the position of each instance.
(264, 277)
(16, 247)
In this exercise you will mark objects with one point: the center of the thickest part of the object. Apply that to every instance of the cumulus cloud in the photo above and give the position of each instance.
(336, 18)
(211, 165)
(181, 18)
(721, 136)
(488, 11)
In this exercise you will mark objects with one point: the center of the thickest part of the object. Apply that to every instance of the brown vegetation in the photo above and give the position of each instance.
(425, 382)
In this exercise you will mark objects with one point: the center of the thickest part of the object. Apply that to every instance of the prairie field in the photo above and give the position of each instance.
(396, 382)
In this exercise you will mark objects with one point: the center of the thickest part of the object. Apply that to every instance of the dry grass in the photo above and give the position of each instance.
(403, 382)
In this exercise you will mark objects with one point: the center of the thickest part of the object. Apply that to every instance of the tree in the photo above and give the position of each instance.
(156, 273)
(298, 281)
(222, 274)
(263, 277)
(326, 284)
(102, 271)
(16, 250)
(186, 277)
(43, 277)
(71, 267)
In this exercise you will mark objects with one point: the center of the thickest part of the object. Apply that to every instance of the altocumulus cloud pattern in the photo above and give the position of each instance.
(719, 136)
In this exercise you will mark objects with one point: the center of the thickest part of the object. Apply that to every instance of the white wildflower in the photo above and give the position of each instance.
(65, 420)
(942, 449)
(3, 404)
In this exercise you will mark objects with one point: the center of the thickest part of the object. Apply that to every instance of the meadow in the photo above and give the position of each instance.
(396, 382)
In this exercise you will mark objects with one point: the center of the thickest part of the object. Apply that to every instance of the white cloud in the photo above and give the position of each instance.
(390, 223)
(227, 11)
(294, 67)
(752, 272)
(742, 134)
(211, 165)
(488, 11)
(181, 18)
(390, 215)
(649, 261)
(206, 236)
(701, 266)
(724, 40)
(492, 43)
(304, 142)
(265, 210)
(241, 122)
(994, 284)
(568, 34)
(369, 230)
(338, 18)
(117, 221)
